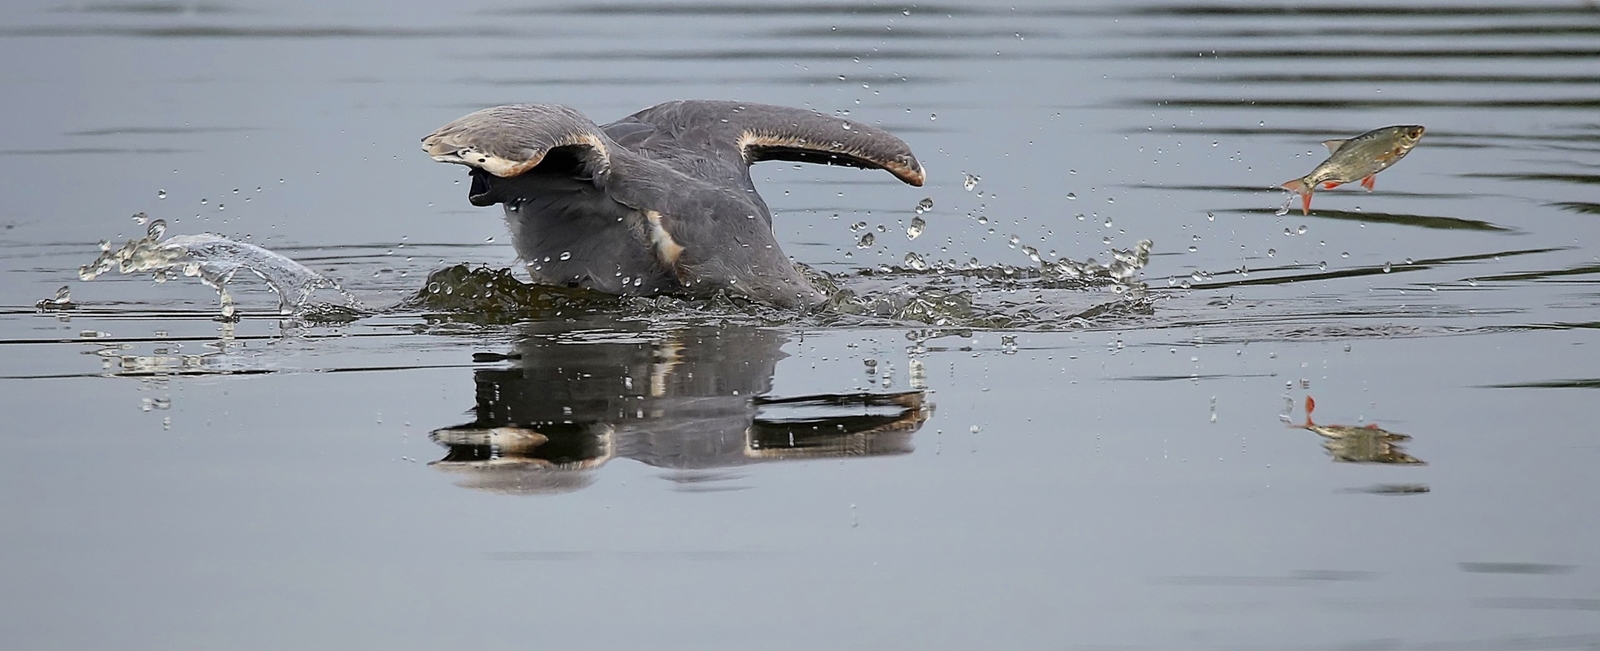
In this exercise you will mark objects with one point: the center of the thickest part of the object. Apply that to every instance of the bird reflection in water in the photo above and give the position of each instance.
(693, 401)
(1360, 444)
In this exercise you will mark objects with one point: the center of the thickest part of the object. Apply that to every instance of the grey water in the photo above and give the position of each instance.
(1004, 457)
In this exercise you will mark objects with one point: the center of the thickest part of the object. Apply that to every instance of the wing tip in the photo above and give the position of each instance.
(913, 174)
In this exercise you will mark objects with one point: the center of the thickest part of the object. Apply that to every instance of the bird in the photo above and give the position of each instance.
(661, 201)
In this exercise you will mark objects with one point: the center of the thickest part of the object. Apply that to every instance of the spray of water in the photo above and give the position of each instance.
(216, 261)
(1288, 200)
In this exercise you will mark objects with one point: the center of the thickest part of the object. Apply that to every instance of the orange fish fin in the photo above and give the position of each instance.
(1331, 185)
(1305, 204)
(1311, 405)
(1371, 180)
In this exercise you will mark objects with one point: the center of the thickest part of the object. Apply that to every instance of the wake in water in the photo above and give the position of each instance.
(216, 261)
(1055, 293)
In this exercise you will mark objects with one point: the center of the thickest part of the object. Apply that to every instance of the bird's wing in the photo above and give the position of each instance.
(508, 140)
(747, 133)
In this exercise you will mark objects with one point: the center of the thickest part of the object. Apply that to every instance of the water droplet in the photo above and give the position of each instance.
(1272, 253)
(161, 194)
(866, 241)
(1387, 267)
(915, 262)
(157, 229)
(1014, 241)
(1301, 230)
(566, 255)
(915, 229)
(1211, 217)
(933, 116)
(925, 205)
(969, 181)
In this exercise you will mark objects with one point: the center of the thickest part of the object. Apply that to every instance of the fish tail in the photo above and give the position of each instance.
(1301, 187)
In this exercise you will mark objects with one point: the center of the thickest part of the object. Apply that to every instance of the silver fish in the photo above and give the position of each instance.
(1358, 158)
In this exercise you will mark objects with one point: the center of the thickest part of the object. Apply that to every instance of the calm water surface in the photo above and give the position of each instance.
(1118, 471)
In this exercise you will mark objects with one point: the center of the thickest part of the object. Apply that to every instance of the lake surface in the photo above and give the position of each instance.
(1094, 467)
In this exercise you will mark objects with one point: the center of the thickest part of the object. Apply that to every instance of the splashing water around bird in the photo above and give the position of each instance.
(215, 260)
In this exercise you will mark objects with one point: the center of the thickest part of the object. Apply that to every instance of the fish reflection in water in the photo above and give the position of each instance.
(688, 400)
(1360, 444)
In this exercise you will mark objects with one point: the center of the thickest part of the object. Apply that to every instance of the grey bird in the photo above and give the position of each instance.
(659, 202)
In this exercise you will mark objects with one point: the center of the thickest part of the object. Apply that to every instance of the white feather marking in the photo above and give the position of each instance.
(667, 250)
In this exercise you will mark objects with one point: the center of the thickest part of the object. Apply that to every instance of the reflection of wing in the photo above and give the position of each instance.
(691, 399)
(685, 133)
(513, 476)
(882, 424)
(522, 461)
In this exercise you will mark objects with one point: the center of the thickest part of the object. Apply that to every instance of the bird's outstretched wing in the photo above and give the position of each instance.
(508, 140)
(748, 133)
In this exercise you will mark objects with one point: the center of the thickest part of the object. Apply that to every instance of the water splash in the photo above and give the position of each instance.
(1288, 200)
(989, 296)
(215, 260)
(62, 301)
(494, 295)
(915, 262)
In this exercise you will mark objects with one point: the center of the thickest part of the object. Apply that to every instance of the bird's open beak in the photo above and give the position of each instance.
(479, 194)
